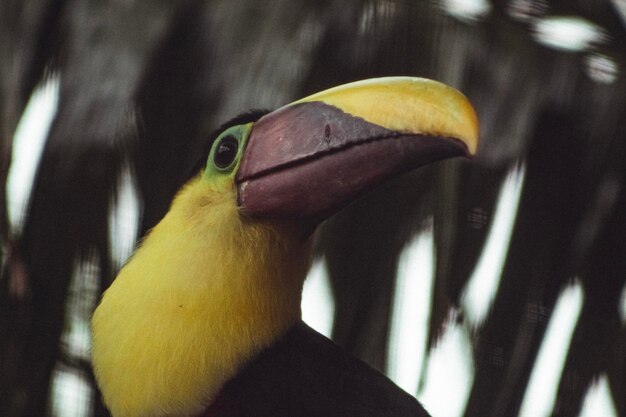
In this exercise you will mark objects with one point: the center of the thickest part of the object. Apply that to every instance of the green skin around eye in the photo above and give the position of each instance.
(241, 133)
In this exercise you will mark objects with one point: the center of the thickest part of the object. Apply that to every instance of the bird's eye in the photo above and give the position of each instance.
(226, 151)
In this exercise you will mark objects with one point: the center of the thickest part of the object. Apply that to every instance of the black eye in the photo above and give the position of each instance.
(226, 151)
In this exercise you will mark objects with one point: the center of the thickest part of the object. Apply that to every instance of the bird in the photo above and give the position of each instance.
(204, 319)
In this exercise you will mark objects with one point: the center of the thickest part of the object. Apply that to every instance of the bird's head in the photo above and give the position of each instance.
(306, 160)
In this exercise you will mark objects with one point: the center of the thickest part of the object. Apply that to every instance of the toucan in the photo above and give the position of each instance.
(205, 320)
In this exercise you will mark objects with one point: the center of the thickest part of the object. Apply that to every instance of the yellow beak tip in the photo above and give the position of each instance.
(407, 104)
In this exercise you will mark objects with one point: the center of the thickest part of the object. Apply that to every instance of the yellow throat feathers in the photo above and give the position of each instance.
(203, 294)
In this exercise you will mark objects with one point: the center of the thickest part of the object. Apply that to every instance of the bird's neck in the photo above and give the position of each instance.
(206, 291)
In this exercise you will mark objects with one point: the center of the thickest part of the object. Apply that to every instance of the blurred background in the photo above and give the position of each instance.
(491, 287)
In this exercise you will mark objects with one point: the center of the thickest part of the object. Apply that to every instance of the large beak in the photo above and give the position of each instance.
(308, 159)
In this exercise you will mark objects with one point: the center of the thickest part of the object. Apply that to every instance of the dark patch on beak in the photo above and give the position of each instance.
(308, 160)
